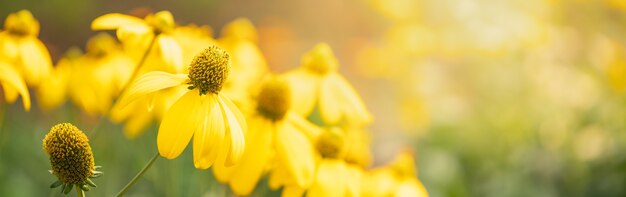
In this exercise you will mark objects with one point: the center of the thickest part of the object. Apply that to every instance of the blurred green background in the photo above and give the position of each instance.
(498, 98)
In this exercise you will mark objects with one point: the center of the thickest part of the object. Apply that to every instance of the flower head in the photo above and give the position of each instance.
(208, 70)
(273, 100)
(22, 23)
(215, 123)
(20, 47)
(70, 155)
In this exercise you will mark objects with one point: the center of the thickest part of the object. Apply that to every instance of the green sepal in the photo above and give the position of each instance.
(56, 184)
(63, 188)
(85, 187)
(68, 189)
(90, 183)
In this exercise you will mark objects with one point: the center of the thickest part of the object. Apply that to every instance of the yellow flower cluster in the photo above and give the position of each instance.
(304, 129)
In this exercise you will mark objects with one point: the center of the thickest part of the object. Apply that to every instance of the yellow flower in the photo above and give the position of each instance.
(13, 85)
(275, 136)
(397, 178)
(71, 157)
(334, 176)
(134, 32)
(214, 122)
(249, 65)
(20, 47)
(52, 92)
(317, 81)
(100, 75)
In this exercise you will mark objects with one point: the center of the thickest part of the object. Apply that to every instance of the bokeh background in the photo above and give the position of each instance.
(496, 98)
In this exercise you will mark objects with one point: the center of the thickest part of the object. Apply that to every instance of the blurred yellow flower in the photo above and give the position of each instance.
(334, 176)
(154, 29)
(239, 38)
(317, 82)
(100, 75)
(276, 136)
(52, 92)
(397, 178)
(214, 122)
(20, 47)
(13, 85)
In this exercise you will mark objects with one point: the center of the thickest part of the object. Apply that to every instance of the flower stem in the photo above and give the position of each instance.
(80, 192)
(132, 182)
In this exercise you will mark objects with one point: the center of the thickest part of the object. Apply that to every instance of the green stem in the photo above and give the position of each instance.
(132, 182)
(80, 192)
(130, 80)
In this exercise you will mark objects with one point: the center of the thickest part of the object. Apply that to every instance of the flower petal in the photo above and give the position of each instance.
(254, 161)
(36, 61)
(354, 107)
(209, 135)
(296, 151)
(330, 180)
(114, 21)
(330, 104)
(148, 83)
(309, 129)
(171, 52)
(234, 131)
(304, 88)
(179, 125)
(11, 81)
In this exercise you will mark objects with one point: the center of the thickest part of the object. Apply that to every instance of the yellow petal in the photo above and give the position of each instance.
(10, 93)
(304, 89)
(238, 115)
(330, 179)
(292, 191)
(53, 90)
(148, 83)
(11, 80)
(353, 180)
(234, 131)
(411, 187)
(114, 21)
(309, 129)
(171, 52)
(254, 161)
(35, 61)
(179, 125)
(355, 110)
(137, 123)
(210, 131)
(279, 175)
(134, 35)
(8, 47)
(295, 150)
(330, 105)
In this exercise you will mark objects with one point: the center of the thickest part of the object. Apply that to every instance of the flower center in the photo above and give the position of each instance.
(70, 154)
(208, 70)
(320, 60)
(22, 23)
(331, 143)
(273, 100)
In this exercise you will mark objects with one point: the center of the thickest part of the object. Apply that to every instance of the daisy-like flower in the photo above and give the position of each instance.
(52, 92)
(397, 178)
(334, 176)
(215, 123)
(20, 47)
(249, 65)
(317, 82)
(276, 136)
(71, 158)
(133, 32)
(100, 74)
(13, 85)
